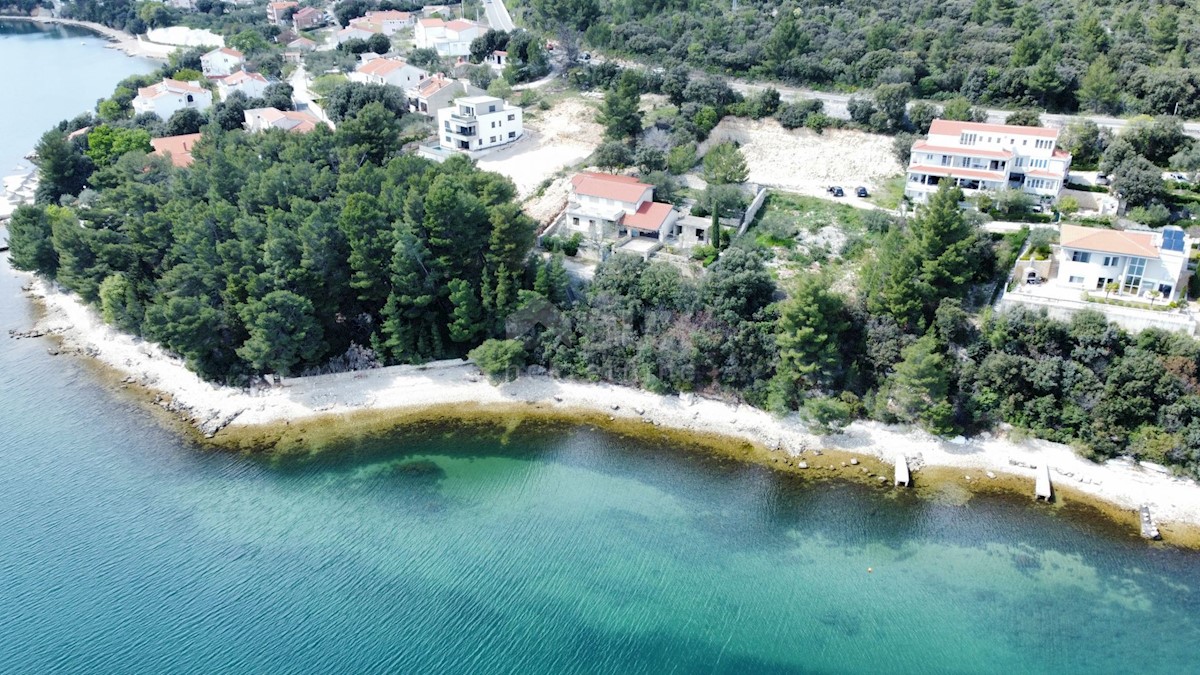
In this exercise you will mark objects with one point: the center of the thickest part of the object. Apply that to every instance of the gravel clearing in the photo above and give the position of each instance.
(806, 162)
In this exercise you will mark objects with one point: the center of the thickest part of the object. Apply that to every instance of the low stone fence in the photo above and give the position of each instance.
(1129, 318)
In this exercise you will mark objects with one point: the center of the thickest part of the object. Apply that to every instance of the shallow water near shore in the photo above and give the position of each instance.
(531, 547)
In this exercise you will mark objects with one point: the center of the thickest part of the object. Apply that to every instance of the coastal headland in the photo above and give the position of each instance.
(305, 415)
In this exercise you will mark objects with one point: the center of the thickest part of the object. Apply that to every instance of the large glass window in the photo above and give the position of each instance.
(1133, 275)
(1080, 256)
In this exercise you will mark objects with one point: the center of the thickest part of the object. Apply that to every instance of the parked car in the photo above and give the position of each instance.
(837, 191)
(1102, 179)
(1177, 177)
(861, 191)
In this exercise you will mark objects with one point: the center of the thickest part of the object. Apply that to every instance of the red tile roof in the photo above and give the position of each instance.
(241, 76)
(954, 128)
(608, 186)
(178, 148)
(432, 23)
(167, 86)
(650, 216)
(461, 25)
(1109, 241)
(924, 146)
(433, 85)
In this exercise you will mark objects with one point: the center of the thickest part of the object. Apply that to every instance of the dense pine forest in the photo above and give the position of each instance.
(277, 252)
(1111, 57)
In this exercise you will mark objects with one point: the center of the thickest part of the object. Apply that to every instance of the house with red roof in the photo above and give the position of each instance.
(438, 92)
(308, 18)
(221, 62)
(449, 38)
(176, 148)
(253, 85)
(393, 71)
(277, 11)
(988, 157)
(264, 119)
(169, 96)
(608, 206)
(390, 21)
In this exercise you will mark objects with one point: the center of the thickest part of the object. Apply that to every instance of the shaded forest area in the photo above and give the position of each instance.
(1108, 57)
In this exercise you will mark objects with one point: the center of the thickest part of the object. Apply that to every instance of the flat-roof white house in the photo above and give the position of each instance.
(982, 157)
(392, 21)
(221, 62)
(477, 123)
(393, 71)
(169, 96)
(353, 32)
(1144, 264)
(606, 206)
(262, 119)
(253, 85)
(449, 38)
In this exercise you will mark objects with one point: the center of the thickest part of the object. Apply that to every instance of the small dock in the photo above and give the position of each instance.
(902, 477)
(1149, 529)
(1043, 489)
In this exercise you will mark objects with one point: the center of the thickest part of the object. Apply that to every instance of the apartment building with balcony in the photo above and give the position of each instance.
(980, 157)
(475, 123)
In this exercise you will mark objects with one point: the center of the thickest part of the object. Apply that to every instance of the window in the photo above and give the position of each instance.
(1020, 162)
(700, 233)
(967, 139)
(1081, 256)
(1103, 281)
(512, 118)
(491, 108)
(447, 123)
(492, 139)
(1075, 280)
(512, 134)
(493, 125)
(1133, 275)
(1111, 260)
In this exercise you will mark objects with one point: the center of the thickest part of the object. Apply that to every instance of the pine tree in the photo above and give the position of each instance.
(918, 390)
(808, 335)
(620, 115)
(467, 317)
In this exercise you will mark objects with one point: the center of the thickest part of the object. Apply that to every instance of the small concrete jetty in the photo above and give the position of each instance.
(1043, 490)
(902, 477)
(1149, 529)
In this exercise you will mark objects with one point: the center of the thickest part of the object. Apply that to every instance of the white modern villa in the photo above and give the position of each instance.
(1146, 264)
(987, 157)
(1131, 276)
(170, 96)
(475, 123)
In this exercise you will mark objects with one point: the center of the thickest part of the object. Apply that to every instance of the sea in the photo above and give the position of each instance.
(501, 548)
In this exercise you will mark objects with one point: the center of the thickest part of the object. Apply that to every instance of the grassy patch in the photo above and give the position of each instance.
(889, 194)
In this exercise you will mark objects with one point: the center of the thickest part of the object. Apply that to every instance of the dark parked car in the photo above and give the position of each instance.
(837, 191)
(860, 191)
(1102, 179)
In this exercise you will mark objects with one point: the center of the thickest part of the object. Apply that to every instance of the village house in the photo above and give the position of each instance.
(176, 148)
(390, 21)
(221, 62)
(607, 206)
(438, 92)
(308, 18)
(449, 38)
(353, 32)
(262, 119)
(169, 96)
(253, 85)
(301, 44)
(476, 123)
(1145, 264)
(277, 11)
(988, 157)
(498, 59)
(392, 71)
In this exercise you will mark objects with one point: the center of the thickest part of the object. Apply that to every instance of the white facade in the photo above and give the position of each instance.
(390, 22)
(1141, 263)
(607, 206)
(451, 38)
(263, 119)
(390, 71)
(988, 157)
(253, 85)
(221, 62)
(477, 123)
(169, 96)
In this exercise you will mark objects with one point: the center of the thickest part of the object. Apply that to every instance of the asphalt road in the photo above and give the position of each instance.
(497, 15)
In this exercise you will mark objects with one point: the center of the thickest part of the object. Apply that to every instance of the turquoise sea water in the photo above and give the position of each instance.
(126, 550)
(50, 73)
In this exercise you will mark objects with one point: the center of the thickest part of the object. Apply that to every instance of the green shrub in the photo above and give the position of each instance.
(500, 360)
